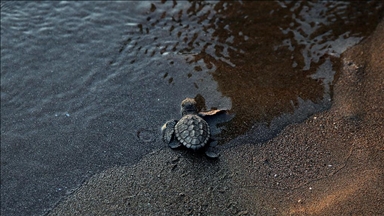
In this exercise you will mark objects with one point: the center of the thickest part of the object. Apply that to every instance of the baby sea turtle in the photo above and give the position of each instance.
(191, 130)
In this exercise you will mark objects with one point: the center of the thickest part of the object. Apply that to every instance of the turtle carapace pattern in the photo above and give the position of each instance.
(192, 131)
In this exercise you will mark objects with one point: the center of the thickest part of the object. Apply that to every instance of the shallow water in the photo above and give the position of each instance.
(87, 85)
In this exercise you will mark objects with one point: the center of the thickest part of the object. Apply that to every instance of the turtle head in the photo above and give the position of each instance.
(188, 106)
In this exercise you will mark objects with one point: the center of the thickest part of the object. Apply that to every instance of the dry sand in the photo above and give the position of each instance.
(331, 164)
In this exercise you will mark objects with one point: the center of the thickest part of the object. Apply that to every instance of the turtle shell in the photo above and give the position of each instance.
(192, 131)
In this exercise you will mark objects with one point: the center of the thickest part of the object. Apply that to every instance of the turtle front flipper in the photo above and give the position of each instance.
(168, 131)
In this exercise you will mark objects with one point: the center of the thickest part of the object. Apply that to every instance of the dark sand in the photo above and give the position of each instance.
(331, 164)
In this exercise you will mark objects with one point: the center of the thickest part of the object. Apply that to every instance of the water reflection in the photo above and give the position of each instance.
(267, 57)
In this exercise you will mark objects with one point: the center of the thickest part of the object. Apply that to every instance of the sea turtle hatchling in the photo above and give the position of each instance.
(191, 130)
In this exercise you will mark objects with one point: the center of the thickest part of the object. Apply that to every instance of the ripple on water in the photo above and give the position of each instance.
(268, 57)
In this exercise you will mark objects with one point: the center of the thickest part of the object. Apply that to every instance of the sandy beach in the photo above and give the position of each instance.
(331, 164)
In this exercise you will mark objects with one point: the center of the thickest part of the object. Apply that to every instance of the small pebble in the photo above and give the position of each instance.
(242, 213)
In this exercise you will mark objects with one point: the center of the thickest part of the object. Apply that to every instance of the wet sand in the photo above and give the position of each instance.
(331, 164)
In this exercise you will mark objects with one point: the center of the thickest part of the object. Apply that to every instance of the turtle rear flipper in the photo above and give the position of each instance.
(168, 131)
(209, 150)
(174, 144)
(210, 153)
